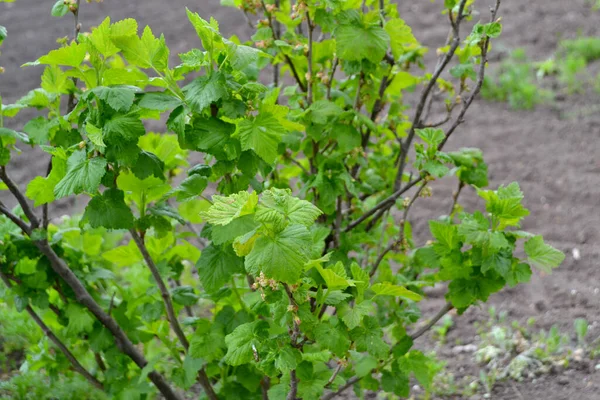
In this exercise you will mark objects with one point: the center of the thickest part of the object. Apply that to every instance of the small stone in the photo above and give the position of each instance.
(562, 380)
(416, 388)
(576, 254)
(597, 367)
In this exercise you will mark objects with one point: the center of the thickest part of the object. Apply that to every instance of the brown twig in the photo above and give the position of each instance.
(16, 192)
(334, 375)
(447, 307)
(164, 291)
(341, 389)
(405, 148)
(309, 75)
(398, 242)
(334, 66)
(82, 295)
(384, 204)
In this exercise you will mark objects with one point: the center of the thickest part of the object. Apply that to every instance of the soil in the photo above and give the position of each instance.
(553, 152)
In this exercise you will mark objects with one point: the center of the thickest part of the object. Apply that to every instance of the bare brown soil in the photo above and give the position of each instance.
(553, 152)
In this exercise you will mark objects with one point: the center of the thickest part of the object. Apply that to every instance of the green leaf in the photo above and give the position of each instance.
(261, 134)
(38, 130)
(40, 189)
(278, 206)
(124, 255)
(119, 98)
(388, 289)
(159, 101)
(148, 164)
(55, 81)
(208, 32)
(109, 210)
(70, 56)
(433, 137)
(281, 256)
(332, 338)
(59, 9)
(335, 277)
(401, 36)
(505, 204)
(26, 266)
(191, 187)
(125, 126)
(370, 339)
(446, 236)
(226, 208)
(352, 317)
(238, 227)
(205, 90)
(286, 359)
(244, 342)
(79, 319)
(101, 39)
(145, 52)
(356, 42)
(184, 295)
(216, 266)
(542, 255)
(210, 134)
(83, 175)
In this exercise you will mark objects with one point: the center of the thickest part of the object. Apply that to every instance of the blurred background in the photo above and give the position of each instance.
(538, 123)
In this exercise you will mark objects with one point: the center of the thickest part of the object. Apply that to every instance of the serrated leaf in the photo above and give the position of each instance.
(109, 211)
(278, 206)
(244, 341)
(101, 40)
(216, 266)
(148, 164)
(400, 34)
(388, 289)
(542, 255)
(70, 56)
(119, 98)
(280, 256)
(159, 101)
(261, 134)
(238, 227)
(83, 175)
(353, 316)
(205, 90)
(356, 42)
(226, 208)
(40, 189)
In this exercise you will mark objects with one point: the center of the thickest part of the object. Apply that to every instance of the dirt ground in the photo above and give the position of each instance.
(553, 152)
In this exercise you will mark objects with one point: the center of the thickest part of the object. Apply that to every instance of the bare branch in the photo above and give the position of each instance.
(447, 307)
(16, 192)
(334, 375)
(425, 94)
(331, 75)
(384, 204)
(398, 242)
(293, 386)
(164, 291)
(342, 389)
(18, 221)
(309, 75)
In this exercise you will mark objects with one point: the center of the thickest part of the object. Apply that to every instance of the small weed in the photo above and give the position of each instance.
(515, 83)
(587, 48)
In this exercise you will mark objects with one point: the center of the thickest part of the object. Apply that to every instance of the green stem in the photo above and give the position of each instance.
(239, 297)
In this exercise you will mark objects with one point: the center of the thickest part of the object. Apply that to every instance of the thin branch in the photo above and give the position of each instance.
(16, 220)
(293, 386)
(71, 101)
(334, 375)
(164, 291)
(57, 342)
(16, 192)
(331, 75)
(84, 298)
(447, 307)
(384, 204)
(398, 242)
(455, 196)
(289, 61)
(338, 222)
(309, 75)
(342, 388)
(480, 78)
(265, 385)
(425, 94)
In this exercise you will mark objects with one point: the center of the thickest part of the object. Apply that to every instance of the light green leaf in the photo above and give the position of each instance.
(542, 255)
(245, 341)
(261, 134)
(388, 289)
(226, 208)
(40, 189)
(278, 206)
(281, 256)
(401, 36)
(355, 42)
(70, 56)
(83, 175)
(352, 317)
